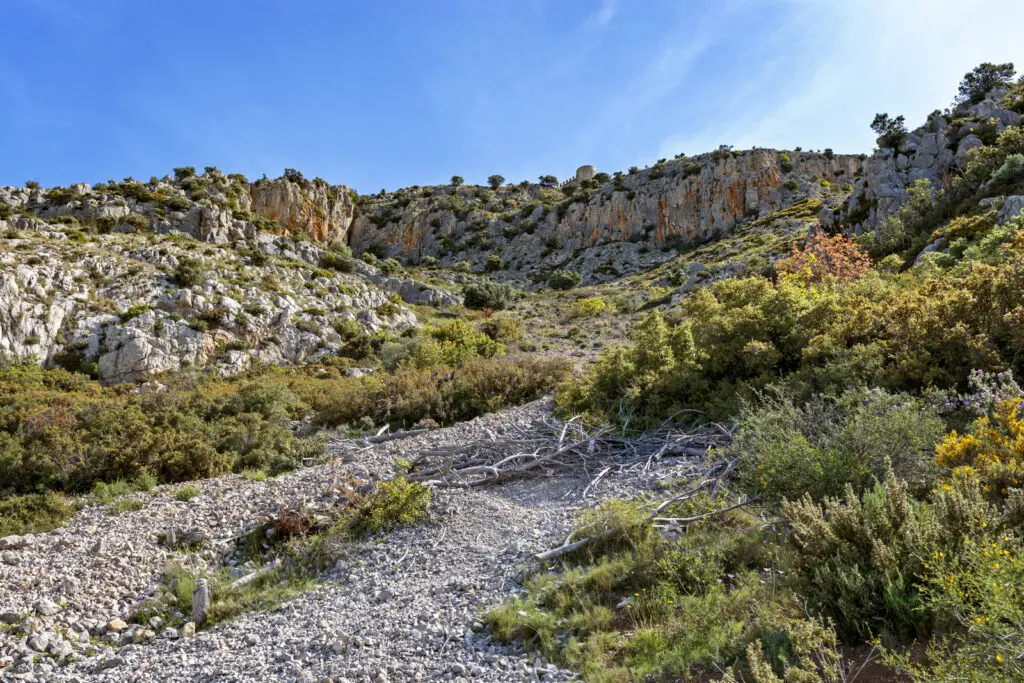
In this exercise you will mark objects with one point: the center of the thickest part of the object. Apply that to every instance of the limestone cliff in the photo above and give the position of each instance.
(532, 227)
(211, 207)
(322, 212)
(116, 306)
(936, 152)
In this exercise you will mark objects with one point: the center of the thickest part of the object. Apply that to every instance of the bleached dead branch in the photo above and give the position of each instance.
(552, 445)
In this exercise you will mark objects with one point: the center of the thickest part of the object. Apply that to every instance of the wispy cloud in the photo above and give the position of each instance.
(64, 10)
(603, 16)
(828, 82)
(668, 67)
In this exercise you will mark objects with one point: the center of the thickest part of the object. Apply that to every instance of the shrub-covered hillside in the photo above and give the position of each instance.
(868, 512)
(786, 434)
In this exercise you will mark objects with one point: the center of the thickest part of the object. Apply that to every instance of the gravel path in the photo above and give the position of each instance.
(402, 608)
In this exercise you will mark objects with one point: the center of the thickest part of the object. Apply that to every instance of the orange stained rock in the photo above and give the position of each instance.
(664, 224)
(621, 224)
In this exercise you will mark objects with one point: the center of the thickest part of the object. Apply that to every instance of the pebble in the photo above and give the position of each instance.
(405, 607)
(116, 625)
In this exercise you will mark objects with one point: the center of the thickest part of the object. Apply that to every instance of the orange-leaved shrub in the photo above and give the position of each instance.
(825, 257)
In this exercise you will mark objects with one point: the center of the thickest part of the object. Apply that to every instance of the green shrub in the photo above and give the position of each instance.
(190, 272)
(493, 263)
(348, 329)
(187, 493)
(858, 559)
(175, 202)
(61, 195)
(787, 450)
(123, 505)
(389, 266)
(502, 329)
(388, 309)
(1011, 171)
(33, 513)
(133, 312)
(368, 257)
(254, 475)
(494, 295)
(564, 279)
(343, 263)
(452, 344)
(589, 307)
(978, 601)
(271, 400)
(393, 503)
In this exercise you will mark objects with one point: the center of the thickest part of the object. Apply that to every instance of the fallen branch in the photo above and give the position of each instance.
(549, 445)
(697, 518)
(569, 547)
(653, 518)
(381, 438)
(249, 578)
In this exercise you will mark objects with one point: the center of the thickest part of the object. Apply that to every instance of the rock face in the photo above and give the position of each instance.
(322, 212)
(89, 275)
(212, 207)
(115, 306)
(934, 152)
(534, 227)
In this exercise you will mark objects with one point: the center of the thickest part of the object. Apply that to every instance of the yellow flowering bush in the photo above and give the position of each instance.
(590, 307)
(992, 450)
(976, 595)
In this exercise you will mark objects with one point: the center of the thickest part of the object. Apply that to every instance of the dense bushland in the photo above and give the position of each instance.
(61, 431)
(441, 394)
(902, 332)
(866, 527)
(877, 451)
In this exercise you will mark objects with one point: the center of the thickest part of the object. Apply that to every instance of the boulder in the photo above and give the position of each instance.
(1011, 208)
(966, 145)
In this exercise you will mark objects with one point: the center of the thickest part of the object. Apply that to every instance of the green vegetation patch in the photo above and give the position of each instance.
(284, 558)
(34, 513)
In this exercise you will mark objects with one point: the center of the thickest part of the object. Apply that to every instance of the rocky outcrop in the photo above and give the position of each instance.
(530, 227)
(688, 204)
(322, 212)
(211, 207)
(114, 306)
(934, 152)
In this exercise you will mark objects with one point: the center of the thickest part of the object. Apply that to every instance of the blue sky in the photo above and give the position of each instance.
(388, 94)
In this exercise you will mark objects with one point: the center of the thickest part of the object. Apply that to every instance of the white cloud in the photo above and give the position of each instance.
(903, 57)
(66, 11)
(604, 14)
(669, 66)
